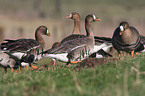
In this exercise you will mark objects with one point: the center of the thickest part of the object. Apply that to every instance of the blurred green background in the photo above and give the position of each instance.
(20, 18)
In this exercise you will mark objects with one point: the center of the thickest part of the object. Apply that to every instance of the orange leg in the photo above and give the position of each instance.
(11, 69)
(34, 67)
(119, 55)
(136, 53)
(68, 65)
(73, 62)
(132, 53)
(27, 67)
(19, 68)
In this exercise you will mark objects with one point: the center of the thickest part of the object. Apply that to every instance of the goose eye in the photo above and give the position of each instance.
(121, 28)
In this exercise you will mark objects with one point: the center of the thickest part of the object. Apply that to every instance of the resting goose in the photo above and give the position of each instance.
(77, 49)
(8, 61)
(27, 50)
(126, 38)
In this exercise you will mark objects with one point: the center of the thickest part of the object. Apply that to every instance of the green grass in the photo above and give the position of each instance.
(124, 77)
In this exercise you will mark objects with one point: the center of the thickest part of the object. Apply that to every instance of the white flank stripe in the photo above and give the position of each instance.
(106, 48)
(99, 56)
(24, 64)
(61, 56)
(97, 48)
(18, 54)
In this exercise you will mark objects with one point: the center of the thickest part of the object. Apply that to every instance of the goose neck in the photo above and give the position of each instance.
(38, 37)
(89, 32)
(76, 29)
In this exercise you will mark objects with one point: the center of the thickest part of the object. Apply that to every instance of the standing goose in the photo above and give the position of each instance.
(77, 49)
(8, 61)
(76, 31)
(126, 38)
(77, 34)
(27, 50)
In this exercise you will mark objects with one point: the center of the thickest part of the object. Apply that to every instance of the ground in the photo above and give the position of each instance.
(124, 76)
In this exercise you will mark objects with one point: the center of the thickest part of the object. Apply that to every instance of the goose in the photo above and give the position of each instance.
(27, 50)
(8, 61)
(76, 33)
(77, 49)
(127, 38)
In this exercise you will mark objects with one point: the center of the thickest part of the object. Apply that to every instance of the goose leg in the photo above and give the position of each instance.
(15, 70)
(67, 64)
(11, 69)
(5, 69)
(119, 54)
(132, 53)
(73, 62)
(34, 67)
(26, 67)
(20, 68)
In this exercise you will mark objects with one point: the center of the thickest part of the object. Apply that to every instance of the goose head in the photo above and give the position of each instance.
(91, 18)
(43, 30)
(73, 16)
(123, 26)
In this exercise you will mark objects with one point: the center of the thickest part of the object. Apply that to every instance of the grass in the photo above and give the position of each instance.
(124, 77)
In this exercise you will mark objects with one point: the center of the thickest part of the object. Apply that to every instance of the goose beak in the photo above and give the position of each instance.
(97, 19)
(48, 34)
(68, 17)
(121, 32)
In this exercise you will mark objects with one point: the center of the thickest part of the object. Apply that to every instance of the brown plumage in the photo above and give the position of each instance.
(77, 34)
(78, 48)
(76, 30)
(126, 38)
(27, 50)
(8, 61)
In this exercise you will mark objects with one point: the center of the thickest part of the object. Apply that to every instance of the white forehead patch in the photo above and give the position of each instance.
(121, 28)
(94, 17)
(47, 31)
(70, 15)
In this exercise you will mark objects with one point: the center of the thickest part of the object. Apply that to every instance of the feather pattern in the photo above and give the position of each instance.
(8, 61)
(127, 40)
(77, 47)
(23, 49)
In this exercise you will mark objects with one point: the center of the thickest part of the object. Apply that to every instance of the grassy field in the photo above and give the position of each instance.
(124, 77)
